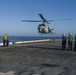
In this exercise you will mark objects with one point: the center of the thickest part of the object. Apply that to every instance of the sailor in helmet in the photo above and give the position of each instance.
(70, 41)
(63, 41)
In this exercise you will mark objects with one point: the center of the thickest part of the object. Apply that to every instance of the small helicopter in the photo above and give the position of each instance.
(44, 27)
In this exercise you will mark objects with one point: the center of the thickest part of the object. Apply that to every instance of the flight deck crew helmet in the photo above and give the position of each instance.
(70, 33)
(64, 34)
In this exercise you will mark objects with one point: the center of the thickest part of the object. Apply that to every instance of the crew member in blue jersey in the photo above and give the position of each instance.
(75, 44)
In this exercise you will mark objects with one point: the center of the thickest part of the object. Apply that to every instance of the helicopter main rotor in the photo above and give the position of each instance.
(43, 19)
(41, 16)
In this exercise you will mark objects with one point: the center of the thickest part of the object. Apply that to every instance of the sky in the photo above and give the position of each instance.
(13, 11)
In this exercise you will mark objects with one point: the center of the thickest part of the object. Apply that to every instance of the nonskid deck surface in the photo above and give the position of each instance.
(42, 58)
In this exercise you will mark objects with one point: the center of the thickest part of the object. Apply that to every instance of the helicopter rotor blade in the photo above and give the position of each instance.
(62, 19)
(32, 21)
(59, 20)
(44, 21)
(43, 18)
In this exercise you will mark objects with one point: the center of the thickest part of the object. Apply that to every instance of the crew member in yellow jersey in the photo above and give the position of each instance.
(5, 37)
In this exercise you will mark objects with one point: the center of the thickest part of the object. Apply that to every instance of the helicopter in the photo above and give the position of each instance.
(43, 28)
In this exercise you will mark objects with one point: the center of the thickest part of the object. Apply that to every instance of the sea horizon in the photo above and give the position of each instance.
(29, 38)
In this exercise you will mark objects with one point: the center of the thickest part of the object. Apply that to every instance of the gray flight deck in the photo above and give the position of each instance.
(39, 58)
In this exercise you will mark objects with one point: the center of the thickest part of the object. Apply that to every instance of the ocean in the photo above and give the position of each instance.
(27, 38)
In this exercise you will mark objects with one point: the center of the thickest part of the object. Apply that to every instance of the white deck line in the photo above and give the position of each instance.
(21, 42)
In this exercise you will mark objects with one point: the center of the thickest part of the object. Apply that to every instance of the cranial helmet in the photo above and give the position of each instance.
(70, 33)
(64, 34)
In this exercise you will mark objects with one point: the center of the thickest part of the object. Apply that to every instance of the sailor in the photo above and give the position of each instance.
(70, 41)
(4, 40)
(63, 41)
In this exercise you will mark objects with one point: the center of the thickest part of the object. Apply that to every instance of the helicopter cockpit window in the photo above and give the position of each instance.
(41, 25)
